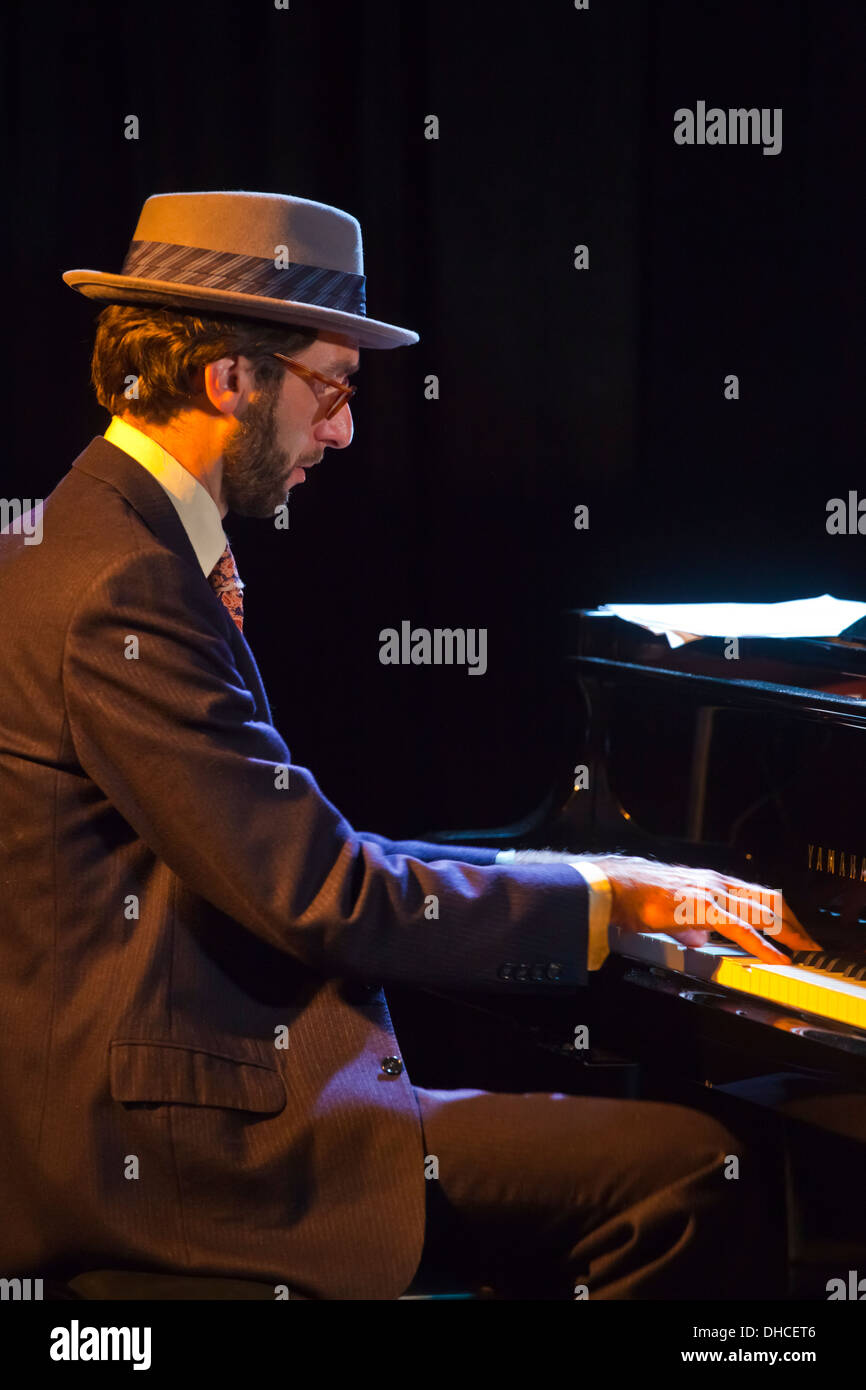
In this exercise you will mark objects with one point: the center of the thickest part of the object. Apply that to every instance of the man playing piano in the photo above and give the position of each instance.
(199, 1073)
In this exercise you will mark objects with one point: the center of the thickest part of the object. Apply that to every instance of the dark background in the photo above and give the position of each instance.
(558, 387)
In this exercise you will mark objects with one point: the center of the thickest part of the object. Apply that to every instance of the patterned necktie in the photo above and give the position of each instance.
(225, 581)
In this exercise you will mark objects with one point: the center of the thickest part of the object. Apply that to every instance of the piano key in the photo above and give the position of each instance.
(806, 988)
(657, 948)
(806, 957)
(814, 991)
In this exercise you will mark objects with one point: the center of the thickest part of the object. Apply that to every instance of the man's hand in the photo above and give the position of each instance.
(652, 897)
(661, 897)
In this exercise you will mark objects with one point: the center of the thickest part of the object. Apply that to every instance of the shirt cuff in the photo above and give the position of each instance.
(600, 899)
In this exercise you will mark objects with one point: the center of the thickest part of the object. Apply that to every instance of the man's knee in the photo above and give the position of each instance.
(673, 1142)
(700, 1134)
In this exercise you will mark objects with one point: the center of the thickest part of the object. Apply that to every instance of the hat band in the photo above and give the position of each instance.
(224, 270)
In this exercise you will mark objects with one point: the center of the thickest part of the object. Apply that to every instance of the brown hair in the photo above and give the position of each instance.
(163, 348)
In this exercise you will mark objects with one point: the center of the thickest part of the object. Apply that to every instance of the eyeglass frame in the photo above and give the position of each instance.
(299, 368)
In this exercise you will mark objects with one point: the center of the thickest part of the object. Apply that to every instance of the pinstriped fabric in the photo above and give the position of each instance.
(164, 1071)
(225, 270)
(156, 777)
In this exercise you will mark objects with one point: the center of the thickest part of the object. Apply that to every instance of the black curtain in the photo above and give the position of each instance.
(557, 386)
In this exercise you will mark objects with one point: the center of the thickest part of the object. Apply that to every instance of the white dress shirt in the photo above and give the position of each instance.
(194, 505)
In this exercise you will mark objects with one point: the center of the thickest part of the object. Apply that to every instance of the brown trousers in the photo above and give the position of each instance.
(538, 1195)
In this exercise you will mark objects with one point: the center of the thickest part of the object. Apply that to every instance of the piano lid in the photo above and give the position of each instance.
(824, 671)
(753, 765)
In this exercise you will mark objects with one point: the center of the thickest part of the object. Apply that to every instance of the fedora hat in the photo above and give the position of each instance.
(260, 255)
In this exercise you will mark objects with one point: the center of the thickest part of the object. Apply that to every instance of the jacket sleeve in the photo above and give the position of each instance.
(161, 721)
(429, 852)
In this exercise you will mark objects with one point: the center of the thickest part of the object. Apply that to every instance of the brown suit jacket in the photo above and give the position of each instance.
(171, 913)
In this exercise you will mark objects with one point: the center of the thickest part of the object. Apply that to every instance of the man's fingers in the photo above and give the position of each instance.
(751, 940)
(772, 914)
(755, 917)
(718, 911)
(795, 936)
(690, 937)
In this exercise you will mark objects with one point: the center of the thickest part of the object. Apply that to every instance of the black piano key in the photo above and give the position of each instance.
(850, 967)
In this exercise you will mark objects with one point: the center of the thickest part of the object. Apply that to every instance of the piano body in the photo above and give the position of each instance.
(755, 766)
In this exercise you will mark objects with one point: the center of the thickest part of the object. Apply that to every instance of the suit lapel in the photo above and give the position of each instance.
(112, 465)
(247, 665)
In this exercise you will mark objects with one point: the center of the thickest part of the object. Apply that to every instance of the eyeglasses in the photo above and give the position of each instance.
(344, 393)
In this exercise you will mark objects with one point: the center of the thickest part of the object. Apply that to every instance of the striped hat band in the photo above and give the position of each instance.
(224, 270)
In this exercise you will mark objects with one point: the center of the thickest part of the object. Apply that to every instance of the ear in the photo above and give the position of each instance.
(227, 382)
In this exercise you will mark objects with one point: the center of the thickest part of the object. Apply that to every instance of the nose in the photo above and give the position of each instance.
(337, 432)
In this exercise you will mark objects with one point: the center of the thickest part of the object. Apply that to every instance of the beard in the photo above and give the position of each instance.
(254, 466)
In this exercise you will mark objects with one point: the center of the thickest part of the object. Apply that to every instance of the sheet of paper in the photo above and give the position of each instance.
(687, 622)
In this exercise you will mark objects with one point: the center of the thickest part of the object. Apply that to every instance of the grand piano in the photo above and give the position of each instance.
(754, 766)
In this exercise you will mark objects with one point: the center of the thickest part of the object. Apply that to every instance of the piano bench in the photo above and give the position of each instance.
(123, 1284)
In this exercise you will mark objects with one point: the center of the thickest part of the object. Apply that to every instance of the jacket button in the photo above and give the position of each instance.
(392, 1066)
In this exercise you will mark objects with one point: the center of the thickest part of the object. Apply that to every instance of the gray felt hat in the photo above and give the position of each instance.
(262, 255)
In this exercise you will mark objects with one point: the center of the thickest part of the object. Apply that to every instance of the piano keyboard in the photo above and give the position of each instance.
(837, 992)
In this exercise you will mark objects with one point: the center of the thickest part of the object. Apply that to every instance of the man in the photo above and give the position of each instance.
(199, 1072)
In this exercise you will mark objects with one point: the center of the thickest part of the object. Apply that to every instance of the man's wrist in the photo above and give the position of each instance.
(592, 869)
(600, 903)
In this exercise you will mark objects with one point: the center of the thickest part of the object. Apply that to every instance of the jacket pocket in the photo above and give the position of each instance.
(160, 1072)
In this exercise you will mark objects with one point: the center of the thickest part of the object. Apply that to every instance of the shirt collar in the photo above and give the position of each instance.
(196, 508)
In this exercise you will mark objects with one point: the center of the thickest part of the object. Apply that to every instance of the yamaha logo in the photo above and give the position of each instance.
(833, 861)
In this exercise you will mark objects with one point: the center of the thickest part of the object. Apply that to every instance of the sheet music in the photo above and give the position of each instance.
(824, 616)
